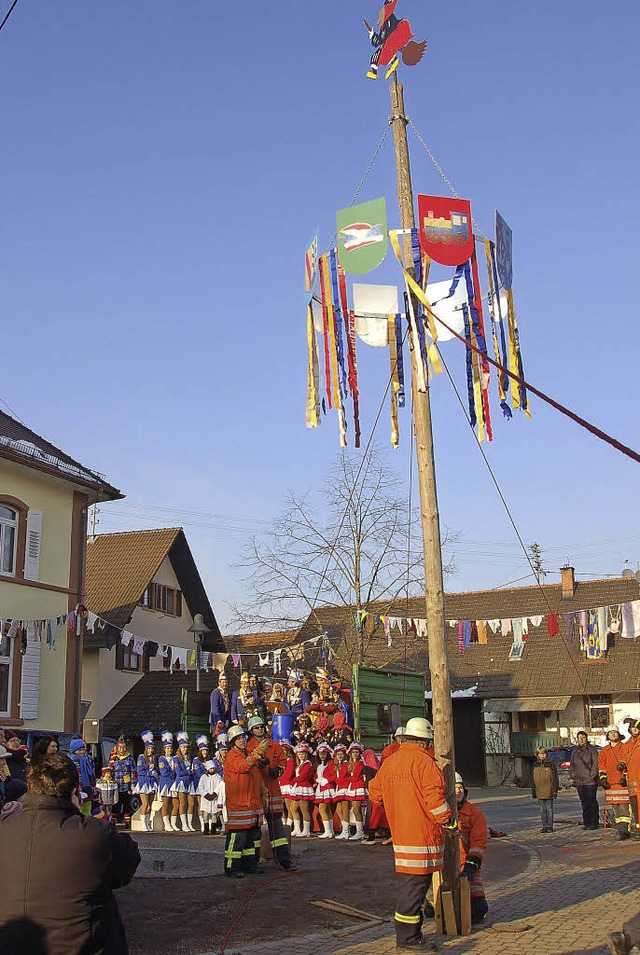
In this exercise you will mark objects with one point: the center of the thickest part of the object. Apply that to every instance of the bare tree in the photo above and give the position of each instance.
(353, 542)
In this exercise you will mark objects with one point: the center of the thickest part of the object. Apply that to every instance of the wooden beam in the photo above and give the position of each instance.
(450, 924)
(436, 886)
(465, 906)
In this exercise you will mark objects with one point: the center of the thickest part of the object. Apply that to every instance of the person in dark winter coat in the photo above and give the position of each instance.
(584, 772)
(64, 868)
(17, 761)
(545, 787)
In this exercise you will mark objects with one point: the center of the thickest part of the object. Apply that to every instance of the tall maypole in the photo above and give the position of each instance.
(434, 584)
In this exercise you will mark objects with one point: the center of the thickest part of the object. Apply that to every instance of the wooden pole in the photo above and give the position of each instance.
(434, 587)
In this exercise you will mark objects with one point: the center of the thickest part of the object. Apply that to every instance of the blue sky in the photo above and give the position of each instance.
(163, 165)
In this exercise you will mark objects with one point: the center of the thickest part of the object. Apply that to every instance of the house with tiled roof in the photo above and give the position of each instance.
(506, 704)
(142, 584)
(44, 497)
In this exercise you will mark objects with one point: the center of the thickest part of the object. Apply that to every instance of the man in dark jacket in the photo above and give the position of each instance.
(64, 868)
(584, 772)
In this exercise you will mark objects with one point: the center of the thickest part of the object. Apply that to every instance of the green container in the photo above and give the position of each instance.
(384, 700)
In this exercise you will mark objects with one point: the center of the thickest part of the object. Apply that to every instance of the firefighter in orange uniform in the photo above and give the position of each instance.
(632, 762)
(611, 769)
(394, 746)
(411, 787)
(272, 765)
(472, 825)
(243, 785)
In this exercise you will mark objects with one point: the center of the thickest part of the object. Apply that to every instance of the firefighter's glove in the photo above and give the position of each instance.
(263, 762)
(622, 766)
(451, 827)
(469, 869)
(275, 772)
(605, 784)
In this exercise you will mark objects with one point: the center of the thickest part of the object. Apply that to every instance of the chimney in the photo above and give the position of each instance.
(568, 581)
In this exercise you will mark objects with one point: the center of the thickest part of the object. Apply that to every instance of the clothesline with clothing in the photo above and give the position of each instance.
(591, 628)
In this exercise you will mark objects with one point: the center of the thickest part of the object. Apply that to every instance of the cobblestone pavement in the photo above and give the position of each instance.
(578, 887)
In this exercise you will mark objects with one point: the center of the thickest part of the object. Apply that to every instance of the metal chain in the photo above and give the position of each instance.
(479, 232)
(370, 166)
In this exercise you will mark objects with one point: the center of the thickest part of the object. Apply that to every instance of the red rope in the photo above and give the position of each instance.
(263, 885)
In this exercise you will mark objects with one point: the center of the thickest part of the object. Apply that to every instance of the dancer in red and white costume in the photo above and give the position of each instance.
(302, 791)
(286, 780)
(341, 765)
(325, 788)
(357, 787)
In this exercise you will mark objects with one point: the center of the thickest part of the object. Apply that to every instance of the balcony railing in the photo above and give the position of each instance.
(526, 744)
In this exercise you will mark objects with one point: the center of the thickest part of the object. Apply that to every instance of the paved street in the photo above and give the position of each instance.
(575, 888)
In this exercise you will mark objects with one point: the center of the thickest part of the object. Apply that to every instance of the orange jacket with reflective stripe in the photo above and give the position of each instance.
(632, 759)
(242, 781)
(411, 787)
(277, 758)
(473, 832)
(608, 758)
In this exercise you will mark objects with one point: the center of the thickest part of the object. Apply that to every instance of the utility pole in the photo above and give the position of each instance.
(434, 587)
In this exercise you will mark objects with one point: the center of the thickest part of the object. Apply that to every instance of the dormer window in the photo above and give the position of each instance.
(165, 600)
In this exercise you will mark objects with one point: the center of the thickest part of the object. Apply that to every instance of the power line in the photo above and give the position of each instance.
(8, 14)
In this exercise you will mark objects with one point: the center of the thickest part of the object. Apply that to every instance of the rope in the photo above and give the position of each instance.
(511, 519)
(263, 885)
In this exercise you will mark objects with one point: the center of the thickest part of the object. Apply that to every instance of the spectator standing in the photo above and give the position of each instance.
(44, 746)
(584, 772)
(124, 775)
(411, 787)
(64, 868)
(545, 787)
(220, 704)
(17, 757)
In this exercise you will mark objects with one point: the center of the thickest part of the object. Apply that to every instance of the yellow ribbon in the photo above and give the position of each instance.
(312, 419)
(432, 351)
(331, 325)
(492, 306)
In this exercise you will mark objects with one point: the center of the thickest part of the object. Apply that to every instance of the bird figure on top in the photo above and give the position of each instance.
(394, 37)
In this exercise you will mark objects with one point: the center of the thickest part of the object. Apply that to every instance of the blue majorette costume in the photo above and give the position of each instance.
(296, 698)
(166, 781)
(185, 798)
(147, 782)
(146, 767)
(123, 766)
(197, 766)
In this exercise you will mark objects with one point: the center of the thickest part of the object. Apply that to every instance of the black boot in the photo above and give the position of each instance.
(205, 828)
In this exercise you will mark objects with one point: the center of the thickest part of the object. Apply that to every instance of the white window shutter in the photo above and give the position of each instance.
(30, 681)
(32, 549)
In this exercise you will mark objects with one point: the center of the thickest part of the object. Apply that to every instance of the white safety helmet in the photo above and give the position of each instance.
(612, 728)
(419, 728)
(400, 731)
(234, 733)
(459, 780)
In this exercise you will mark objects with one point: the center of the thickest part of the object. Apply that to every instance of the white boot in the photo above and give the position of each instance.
(289, 823)
(306, 830)
(328, 829)
(184, 822)
(359, 833)
(190, 825)
(146, 819)
(344, 833)
(166, 821)
(296, 831)
(174, 824)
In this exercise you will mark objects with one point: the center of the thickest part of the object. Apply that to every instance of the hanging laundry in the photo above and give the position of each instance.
(51, 633)
(553, 627)
(615, 619)
(152, 649)
(461, 636)
(192, 658)
(570, 627)
(125, 638)
(594, 648)
(92, 620)
(219, 661)
(583, 618)
(481, 628)
(631, 620)
(179, 658)
(466, 629)
(138, 645)
(264, 659)
(537, 620)
(277, 662)
(421, 627)
(474, 632)
(71, 621)
(235, 658)
(506, 627)
(395, 622)
(495, 625)
(518, 624)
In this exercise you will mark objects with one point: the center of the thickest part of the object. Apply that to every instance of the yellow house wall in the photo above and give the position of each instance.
(55, 500)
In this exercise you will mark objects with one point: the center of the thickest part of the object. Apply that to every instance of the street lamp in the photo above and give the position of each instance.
(198, 628)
